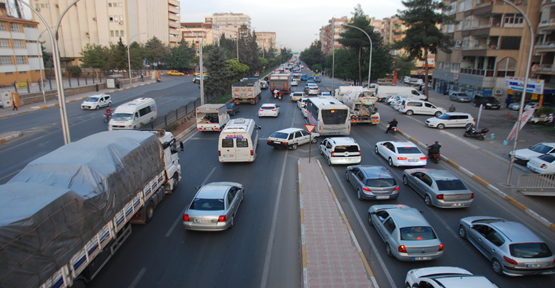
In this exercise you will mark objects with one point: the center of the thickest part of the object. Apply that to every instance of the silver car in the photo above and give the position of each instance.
(407, 234)
(512, 248)
(372, 182)
(459, 97)
(214, 207)
(439, 188)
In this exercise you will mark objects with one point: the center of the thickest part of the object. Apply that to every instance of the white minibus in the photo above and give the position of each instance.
(238, 141)
(331, 117)
(132, 114)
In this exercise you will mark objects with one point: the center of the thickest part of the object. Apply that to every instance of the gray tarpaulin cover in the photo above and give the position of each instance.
(58, 202)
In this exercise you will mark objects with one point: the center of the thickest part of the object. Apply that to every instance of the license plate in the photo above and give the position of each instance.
(334, 133)
(533, 265)
(382, 197)
(413, 160)
(277, 142)
(422, 258)
(457, 204)
(201, 221)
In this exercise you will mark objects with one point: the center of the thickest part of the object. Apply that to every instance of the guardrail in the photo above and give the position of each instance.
(536, 184)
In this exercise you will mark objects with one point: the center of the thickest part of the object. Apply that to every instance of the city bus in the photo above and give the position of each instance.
(330, 116)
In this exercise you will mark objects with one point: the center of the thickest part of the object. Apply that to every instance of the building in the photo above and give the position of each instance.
(103, 22)
(266, 40)
(192, 32)
(229, 23)
(20, 53)
(332, 32)
(492, 42)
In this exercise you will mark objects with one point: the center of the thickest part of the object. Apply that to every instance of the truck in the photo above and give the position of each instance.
(246, 91)
(361, 104)
(65, 214)
(280, 82)
(212, 117)
(341, 90)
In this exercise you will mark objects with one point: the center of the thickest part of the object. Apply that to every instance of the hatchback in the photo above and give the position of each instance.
(439, 188)
(214, 207)
(512, 248)
(97, 101)
(340, 150)
(291, 138)
(411, 107)
(372, 182)
(311, 89)
(296, 96)
(451, 119)
(268, 110)
(398, 153)
(294, 82)
(407, 234)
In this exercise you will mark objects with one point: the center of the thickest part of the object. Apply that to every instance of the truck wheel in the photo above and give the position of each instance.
(149, 211)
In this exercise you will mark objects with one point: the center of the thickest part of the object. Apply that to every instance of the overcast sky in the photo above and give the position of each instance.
(295, 21)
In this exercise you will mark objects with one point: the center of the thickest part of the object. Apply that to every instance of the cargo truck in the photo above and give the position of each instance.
(280, 82)
(361, 104)
(212, 117)
(65, 214)
(246, 91)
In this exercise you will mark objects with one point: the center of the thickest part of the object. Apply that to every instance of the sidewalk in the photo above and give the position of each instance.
(331, 255)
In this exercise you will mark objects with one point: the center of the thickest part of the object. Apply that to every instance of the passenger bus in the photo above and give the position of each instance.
(330, 116)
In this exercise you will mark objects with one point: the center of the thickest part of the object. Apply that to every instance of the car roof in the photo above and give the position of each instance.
(342, 140)
(439, 174)
(408, 217)
(457, 281)
(458, 113)
(403, 143)
(213, 191)
(289, 130)
(516, 232)
(268, 104)
(375, 171)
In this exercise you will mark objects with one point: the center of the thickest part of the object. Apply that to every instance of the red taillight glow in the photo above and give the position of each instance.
(402, 249)
(366, 189)
(472, 196)
(332, 152)
(268, 141)
(260, 110)
(219, 153)
(252, 153)
(402, 158)
(186, 217)
(509, 260)
(440, 247)
(396, 188)
(221, 218)
(275, 110)
(423, 158)
(440, 196)
(543, 166)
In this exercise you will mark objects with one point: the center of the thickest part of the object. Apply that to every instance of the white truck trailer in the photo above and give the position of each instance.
(66, 213)
(246, 91)
(361, 103)
(212, 117)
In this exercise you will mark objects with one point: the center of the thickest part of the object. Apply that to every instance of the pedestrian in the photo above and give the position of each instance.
(181, 146)
(142, 79)
(452, 108)
(14, 106)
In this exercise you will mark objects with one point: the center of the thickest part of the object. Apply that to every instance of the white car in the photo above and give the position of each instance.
(341, 150)
(291, 138)
(305, 112)
(531, 106)
(296, 96)
(523, 155)
(514, 106)
(268, 110)
(399, 153)
(97, 101)
(311, 89)
(445, 277)
(302, 103)
(325, 94)
(542, 164)
(451, 119)
(294, 82)
(399, 103)
(395, 99)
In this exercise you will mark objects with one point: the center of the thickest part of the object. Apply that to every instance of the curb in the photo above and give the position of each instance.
(490, 187)
(15, 134)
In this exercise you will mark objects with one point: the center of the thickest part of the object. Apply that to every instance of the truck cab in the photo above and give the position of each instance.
(171, 158)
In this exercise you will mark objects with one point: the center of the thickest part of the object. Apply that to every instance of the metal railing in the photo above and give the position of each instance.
(537, 184)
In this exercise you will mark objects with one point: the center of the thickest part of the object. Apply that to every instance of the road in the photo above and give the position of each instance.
(263, 248)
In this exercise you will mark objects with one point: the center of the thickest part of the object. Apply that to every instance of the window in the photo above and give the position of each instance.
(41, 5)
(120, 17)
(117, 33)
(15, 27)
(242, 143)
(111, 18)
(3, 26)
(17, 43)
(227, 143)
(121, 33)
(495, 238)
(20, 60)
(120, 4)
(22, 72)
(510, 43)
(389, 225)
(5, 43)
(144, 111)
(109, 4)
(6, 60)
(112, 33)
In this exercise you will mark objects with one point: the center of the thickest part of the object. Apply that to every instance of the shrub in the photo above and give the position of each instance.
(544, 110)
(73, 70)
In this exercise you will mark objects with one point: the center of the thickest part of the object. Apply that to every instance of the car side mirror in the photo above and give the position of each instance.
(198, 187)
(259, 127)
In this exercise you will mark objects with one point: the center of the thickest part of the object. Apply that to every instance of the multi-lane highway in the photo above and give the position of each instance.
(263, 249)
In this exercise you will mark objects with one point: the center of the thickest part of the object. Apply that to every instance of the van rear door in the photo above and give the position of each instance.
(243, 148)
(227, 149)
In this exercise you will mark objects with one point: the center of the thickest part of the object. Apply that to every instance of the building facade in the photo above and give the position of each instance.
(20, 53)
(103, 22)
(229, 23)
(266, 40)
(332, 32)
(193, 32)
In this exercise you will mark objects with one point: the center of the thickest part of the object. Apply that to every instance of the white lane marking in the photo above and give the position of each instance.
(362, 225)
(137, 278)
(208, 176)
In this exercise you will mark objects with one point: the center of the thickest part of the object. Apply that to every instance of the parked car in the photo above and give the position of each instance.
(340, 150)
(451, 119)
(445, 277)
(514, 106)
(439, 188)
(175, 73)
(489, 102)
(531, 106)
(542, 164)
(522, 156)
(198, 73)
(459, 97)
(232, 108)
(391, 98)
(398, 153)
(97, 101)
(410, 107)
(512, 248)
(268, 109)
(407, 234)
(214, 207)
(291, 138)
(372, 182)
(296, 96)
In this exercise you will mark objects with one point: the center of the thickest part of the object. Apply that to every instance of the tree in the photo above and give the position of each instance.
(217, 82)
(156, 51)
(118, 56)
(237, 70)
(180, 56)
(346, 62)
(91, 56)
(136, 52)
(423, 35)
(404, 66)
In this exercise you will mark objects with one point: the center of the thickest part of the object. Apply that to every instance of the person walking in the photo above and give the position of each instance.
(14, 107)
(452, 108)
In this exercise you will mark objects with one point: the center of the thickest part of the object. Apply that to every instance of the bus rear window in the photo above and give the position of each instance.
(334, 116)
(227, 143)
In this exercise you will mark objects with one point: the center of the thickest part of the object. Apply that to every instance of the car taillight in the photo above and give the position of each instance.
(275, 110)
(366, 189)
(221, 218)
(186, 217)
(402, 158)
(396, 188)
(439, 196)
(252, 153)
(509, 260)
(402, 249)
(543, 166)
(219, 153)
(440, 247)
(472, 196)
(260, 110)
(332, 153)
(423, 158)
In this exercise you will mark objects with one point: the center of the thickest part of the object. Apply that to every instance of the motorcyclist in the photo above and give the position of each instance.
(109, 112)
(434, 149)
(280, 94)
(392, 124)
(275, 94)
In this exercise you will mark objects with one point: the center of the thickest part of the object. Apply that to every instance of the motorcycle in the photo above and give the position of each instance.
(279, 97)
(393, 129)
(433, 156)
(481, 135)
(107, 117)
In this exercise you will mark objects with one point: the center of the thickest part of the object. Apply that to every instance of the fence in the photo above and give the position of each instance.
(537, 184)
(176, 115)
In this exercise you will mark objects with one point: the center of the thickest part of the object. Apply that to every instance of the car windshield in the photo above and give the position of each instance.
(92, 99)
(444, 116)
(408, 150)
(297, 94)
(453, 184)
(381, 182)
(334, 116)
(350, 148)
(541, 148)
(530, 250)
(122, 116)
(490, 100)
(207, 204)
(280, 135)
(547, 158)
(417, 233)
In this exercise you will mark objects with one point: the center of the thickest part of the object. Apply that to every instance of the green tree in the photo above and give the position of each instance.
(180, 56)
(346, 63)
(136, 52)
(156, 51)
(404, 66)
(313, 54)
(118, 56)
(73, 70)
(91, 56)
(237, 70)
(422, 17)
(218, 81)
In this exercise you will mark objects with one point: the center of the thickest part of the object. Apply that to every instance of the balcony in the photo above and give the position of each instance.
(174, 10)
(477, 72)
(546, 25)
(173, 17)
(174, 3)
(547, 46)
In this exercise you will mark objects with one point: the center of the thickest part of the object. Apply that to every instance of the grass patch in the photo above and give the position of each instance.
(222, 98)
(549, 129)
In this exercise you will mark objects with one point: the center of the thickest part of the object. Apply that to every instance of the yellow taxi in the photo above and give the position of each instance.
(176, 73)
(198, 73)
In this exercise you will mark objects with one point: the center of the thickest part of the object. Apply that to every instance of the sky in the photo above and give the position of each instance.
(296, 22)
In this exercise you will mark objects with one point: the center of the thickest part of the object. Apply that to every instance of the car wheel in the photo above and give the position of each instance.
(388, 250)
(329, 161)
(149, 211)
(496, 267)
(294, 146)
(440, 126)
(110, 104)
(390, 161)
(467, 126)
(462, 232)
(314, 140)
(428, 200)
(482, 138)
(321, 152)
(405, 180)
(347, 175)
(370, 220)
(376, 149)
(409, 112)
(97, 107)
(359, 194)
(438, 113)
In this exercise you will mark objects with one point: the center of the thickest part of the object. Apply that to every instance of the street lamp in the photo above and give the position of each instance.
(201, 43)
(129, 56)
(370, 61)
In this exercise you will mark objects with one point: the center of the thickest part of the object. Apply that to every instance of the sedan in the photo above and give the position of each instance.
(514, 106)
(459, 97)
(407, 234)
(311, 89)
(439, 188)
(445, 277)
(214, 207)
(268, 110)
(372, 182)
(531, 106)
(522, 156)
(542, 164)
(400, 153)
(291, 138)
(294, 82)
(512, 248)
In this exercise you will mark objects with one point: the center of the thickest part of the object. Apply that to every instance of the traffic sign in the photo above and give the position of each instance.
(309, 127)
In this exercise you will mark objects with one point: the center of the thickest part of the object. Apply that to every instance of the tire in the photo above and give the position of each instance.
(376, 149)
(329, 161)
(428, 201)
(409, 112)
(467, 126)
(440, 126)
(97, 107)
(482, 137)
(370, 220)
(438, 113)
(359, 194)
(405, 180)
(347, 175)
(105, 119)
(496, 266)
(388, 250)
(462, 232)
(294, 146)
(149, 211)
(321, 152)
(314, 140)
(390, 162)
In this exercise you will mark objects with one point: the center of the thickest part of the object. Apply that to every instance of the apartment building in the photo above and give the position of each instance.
(193, 32)
(332, 32)
(229, 23)
(491, 43)
(20, 53)
(103, 22)
(266, 40)
(544, 46)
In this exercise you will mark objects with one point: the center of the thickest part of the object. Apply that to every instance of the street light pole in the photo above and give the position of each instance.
(129, 56)
(520, 110)
(370, 61)
(201, 43)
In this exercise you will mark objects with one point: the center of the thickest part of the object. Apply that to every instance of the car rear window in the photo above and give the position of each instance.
(450, 185)
(530, 250)
(417, 233)
(280, 135)
(547, 158)
(348, 148)
(541, 148)
(408, 150)
(267, 107)
(381, 182)
(207, 204)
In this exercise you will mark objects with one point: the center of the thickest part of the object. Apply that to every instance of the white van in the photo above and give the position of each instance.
(238, 141)
(383, 91)
(132, 114)
(411, 107)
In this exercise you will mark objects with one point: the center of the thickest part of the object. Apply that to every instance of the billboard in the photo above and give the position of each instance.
(516, 83)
